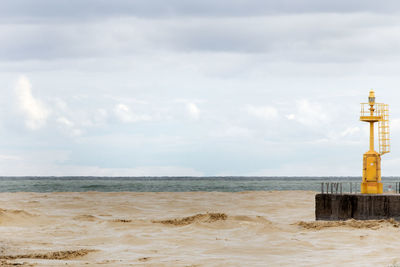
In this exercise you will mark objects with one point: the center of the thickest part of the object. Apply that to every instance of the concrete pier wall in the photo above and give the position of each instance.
(356, 206)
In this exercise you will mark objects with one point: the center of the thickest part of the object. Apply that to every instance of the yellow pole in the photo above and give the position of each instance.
(371, 124)
(371, 136)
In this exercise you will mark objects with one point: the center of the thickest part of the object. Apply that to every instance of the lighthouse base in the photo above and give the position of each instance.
(371, 188)
(332, 207)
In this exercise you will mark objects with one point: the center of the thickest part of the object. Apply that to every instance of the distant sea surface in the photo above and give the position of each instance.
(178, 184)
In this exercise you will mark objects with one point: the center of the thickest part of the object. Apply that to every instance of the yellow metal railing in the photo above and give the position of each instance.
(366, 112)
(380, 114)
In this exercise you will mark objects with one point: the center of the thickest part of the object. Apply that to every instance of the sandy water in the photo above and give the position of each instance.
(274, 228)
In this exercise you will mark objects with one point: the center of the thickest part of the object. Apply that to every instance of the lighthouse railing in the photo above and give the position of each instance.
(366, 112)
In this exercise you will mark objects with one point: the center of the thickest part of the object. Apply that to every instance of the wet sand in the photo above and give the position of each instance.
(185, 229)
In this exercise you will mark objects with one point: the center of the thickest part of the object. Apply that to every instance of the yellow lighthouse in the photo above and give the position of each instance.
(372, 112)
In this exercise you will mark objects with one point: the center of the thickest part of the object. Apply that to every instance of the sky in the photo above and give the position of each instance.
(194, 88)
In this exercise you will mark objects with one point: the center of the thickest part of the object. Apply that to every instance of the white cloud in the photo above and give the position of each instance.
(100, 116)
(65, 121)
(60, 104)
(350, 131)
(309, 113)
(348, 168)
(290, 116)
(35, 112)
(232, 131)
(394, 125)
(193, 110)
(49, 166)
(124, 114)
(390, 165)
(263, 112)
(69, 126)
(9, 157)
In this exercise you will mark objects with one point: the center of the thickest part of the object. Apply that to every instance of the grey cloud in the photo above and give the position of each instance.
(94, 9)
(47, 41)
(311, 37)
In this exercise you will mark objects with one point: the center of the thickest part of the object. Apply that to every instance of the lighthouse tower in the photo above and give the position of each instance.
(372, 112)
(371, 204)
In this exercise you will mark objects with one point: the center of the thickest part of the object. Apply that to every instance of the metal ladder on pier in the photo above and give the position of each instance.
(383, 129)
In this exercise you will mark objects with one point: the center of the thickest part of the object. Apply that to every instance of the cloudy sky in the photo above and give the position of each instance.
(187, 87)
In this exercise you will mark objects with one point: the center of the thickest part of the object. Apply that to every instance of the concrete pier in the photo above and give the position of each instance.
(332, 207)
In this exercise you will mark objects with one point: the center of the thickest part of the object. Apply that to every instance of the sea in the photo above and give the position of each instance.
(183, 184)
